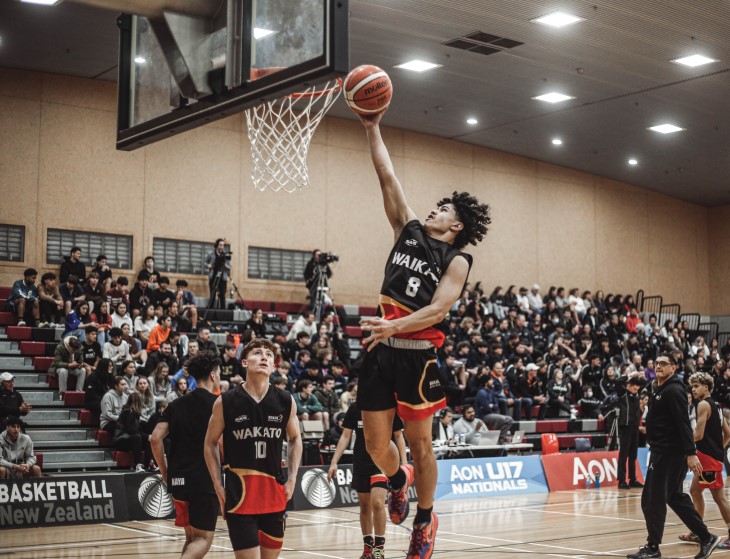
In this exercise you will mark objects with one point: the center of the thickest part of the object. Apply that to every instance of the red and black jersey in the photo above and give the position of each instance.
(253, 436)
(413, 271)
(711, 442)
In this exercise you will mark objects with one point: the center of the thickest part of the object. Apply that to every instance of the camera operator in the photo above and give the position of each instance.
(317, 265)
(218, 263)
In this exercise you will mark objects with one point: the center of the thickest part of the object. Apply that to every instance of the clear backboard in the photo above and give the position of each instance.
(179, 71)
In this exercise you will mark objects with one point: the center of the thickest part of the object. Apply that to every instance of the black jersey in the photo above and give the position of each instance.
(187, 419)
(413, 271)
(252, 441)
(353, 420)
(711, 442)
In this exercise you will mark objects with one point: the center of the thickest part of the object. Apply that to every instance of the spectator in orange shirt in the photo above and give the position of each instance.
(632, 321)
(159, 334)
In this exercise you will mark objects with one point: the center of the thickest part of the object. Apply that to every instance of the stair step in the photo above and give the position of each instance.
(7, 362)
(57, 435)
(38, 396)
(42, 445)
(29, 378)
(58, 423)
(78, 466)
(41, 416)
(44, 404)
(55, 457)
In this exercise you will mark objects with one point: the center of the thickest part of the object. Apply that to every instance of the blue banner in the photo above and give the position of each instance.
(482, 477)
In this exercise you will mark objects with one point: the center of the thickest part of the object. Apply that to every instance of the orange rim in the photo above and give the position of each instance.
(315, 93)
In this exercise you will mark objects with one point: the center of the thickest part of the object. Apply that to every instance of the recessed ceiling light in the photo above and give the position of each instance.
(140, 59)
(553, 97)
(694, 60)
(418, 65)
(472, 121)
(557, 142)
(42, 2)
(259, 33)
(557, 19)
(665, 128)
(633, 162)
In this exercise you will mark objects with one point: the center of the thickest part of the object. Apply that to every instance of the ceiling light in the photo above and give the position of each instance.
(553, 97)
(557, 142)
(694, 60)
(42, 2)
(418, 65)
(557, 19)
(633, 162)
(259, 33)
(140, 59)
(665, 128)
(472, 121)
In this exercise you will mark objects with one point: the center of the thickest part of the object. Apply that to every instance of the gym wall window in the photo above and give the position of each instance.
(277, 264)
(12, 243)
(182, 257)
(117, 248)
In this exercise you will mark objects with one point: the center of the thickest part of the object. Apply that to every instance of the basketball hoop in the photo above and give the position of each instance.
(280, 132)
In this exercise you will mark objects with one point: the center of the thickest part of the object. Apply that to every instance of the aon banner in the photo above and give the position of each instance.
(571, 470)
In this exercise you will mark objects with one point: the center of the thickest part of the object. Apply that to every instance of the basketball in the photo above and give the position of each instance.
(368, 90)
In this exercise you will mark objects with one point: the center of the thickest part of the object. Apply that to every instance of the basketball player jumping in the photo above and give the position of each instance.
(424, 276)
(254, 419)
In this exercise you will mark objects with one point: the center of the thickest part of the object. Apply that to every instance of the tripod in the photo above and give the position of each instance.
(319, 291)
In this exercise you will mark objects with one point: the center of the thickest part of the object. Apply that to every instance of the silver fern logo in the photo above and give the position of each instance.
(154, 498)
(318, 490)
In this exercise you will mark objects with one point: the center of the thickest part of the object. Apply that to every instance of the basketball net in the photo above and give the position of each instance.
(280, 132)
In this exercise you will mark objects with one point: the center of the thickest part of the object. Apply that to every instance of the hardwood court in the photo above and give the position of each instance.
(573, 524)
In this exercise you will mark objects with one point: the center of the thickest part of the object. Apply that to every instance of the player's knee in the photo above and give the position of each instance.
(35, 471)
(3, 473)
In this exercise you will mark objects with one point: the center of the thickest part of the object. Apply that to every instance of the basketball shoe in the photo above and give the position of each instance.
(725, 544)
(692, 538)
(378, 553)
(367, 552)
(645, 552)
(423, 539)
(398, 506)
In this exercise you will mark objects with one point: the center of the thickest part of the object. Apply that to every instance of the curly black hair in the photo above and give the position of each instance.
(472, 214)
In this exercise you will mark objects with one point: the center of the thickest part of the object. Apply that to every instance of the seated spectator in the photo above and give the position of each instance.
(94, 291)
(590, 406)
(149, 405)
(256, 323)
(23, 299)
(487, 408)
(178, 343)
(347, 398)
(308, 407)
(232, 372)
(150, 272)
(164, 354)
(282, 371)
(299, 365)
(144, 324)
(178, 322)
(72, 293)
(470, 426)
(313, 373)
(183, 373)
(530, 388)
(129, 372)
(180, 387)
(535, 300)
(204, 341)
(293, 347)
(443, 430)
(111, 405)
(186, 305)
(305, 323)
(104, 272)
(328, 398)
(116, 349)
(341, 380)
(72, 266)
(51, 302)
(98, 384)
(162, 297)
(193, 350)
(127, 433)
(507, 398)
(68, 361)
(159, 333)
(141, 295)
(90, 350)
(135, 346)
(103, 320)
(160, 381)
(279, 382)
(11, 400)
(17, 459)
(334, 434)
(120, 317)
(449, 374)
(118, 294)
(77, 321)
(558, 392)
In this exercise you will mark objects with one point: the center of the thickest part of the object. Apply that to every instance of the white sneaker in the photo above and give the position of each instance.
(21, 323)
(139, 468)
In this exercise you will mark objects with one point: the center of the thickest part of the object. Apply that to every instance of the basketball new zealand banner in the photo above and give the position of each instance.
(56, 501)
(147, 497)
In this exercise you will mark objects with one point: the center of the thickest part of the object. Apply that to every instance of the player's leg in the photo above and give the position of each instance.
(197, 543)
(202, 517)
(378, 429)
(718, 494)
(243, 531)
(378, 493)
(418, 435)
(366, 524)
(271, 534)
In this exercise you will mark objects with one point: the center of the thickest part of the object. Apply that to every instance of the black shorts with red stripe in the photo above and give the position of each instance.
(365, 478)
(406, 379)
(197, 510)
(252, 530)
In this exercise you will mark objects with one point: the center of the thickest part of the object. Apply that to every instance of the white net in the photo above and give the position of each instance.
(280, 132)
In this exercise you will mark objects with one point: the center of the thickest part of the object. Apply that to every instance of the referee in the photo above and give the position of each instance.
(670, 436)
(184, 471)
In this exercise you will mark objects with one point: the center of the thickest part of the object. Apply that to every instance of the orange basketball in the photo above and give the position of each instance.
(368, 90)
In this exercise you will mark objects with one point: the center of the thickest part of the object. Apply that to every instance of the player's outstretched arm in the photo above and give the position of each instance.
(294, 450)
(394, 200)
(342, 445)
(162, 429)
(446, 294)
(212, 453)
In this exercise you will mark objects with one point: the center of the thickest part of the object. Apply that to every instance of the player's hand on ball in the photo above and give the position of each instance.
(369, 121)
(380, 329)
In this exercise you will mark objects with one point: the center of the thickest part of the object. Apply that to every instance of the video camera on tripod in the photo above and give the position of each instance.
(328, 258)
(220, 259)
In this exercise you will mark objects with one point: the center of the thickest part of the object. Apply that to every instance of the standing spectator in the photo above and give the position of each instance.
(104, 272)
(67, 360)
(186, 304)
(312, 271)
(98, 384)
(144, 323)
(23, 299)
(17, 459)
(218, 263)
(141, 295)
(127, 432)
(162, 297)
(120, 317)
(112, 403)
(629, 420)
(328, 398)
(116, 349)
(72, 266)
(118, 294)
(94, 291)
(72, 293)
(11, 401)
(308, 407)
(51, 302)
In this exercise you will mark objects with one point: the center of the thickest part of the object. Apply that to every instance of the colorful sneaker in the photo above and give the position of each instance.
(423, 539)
(378, 553)
(692, 538)
(725, 544)
(367, 552)
(398, 506)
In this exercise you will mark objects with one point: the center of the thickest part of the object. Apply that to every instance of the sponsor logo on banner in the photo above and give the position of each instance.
(318, 490)
(469, 478)
(154, 498)
(572, 470)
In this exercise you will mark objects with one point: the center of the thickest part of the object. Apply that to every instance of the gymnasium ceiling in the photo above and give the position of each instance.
(616, 63)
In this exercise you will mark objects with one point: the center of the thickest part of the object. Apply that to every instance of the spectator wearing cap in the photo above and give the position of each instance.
(23, 299)
(71, 292)
(68, 361)
(17, 459)
(141, 295)
(11, 401)
(72, 266)
(118, 294)
(535, 300)
(488, 407)
(186, 303)
(531, 387)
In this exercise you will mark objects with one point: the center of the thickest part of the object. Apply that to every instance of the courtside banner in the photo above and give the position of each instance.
(147, 497)
(645, 453)
(56, 501)
(570, 470)
(483, 477)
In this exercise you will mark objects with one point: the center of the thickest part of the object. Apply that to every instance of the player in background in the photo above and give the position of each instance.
(369, 482)
(425, 274)
(254, 419)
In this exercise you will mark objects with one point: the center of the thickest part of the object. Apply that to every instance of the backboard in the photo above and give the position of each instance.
(179, 71)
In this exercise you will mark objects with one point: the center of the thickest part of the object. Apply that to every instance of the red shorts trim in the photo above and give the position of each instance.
(408, 412)
(182, 513)
(710, 465)
(270, 542)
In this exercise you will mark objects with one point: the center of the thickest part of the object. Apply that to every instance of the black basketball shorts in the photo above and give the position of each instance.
(197, 510)
(406, 379)
(365, 478)
(252, 530)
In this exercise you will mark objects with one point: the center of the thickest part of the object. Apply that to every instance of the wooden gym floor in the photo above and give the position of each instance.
(572, 524)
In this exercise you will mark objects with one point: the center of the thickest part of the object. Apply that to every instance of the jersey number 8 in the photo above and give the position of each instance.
(413, 285)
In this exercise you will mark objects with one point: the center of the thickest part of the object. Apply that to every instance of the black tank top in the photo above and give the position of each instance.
(413, 271)
(711, 443)
(252, 446)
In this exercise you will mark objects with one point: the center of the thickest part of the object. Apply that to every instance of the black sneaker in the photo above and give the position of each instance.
(706, 548)
(645, 552)
(636, 484)
(623, 485)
